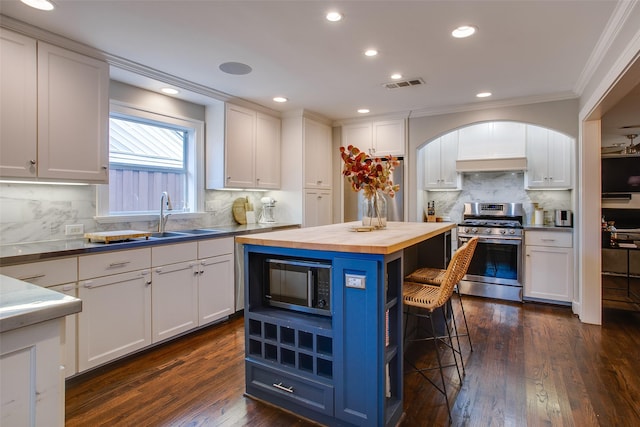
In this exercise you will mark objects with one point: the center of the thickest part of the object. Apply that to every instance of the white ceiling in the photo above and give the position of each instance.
(524, 50)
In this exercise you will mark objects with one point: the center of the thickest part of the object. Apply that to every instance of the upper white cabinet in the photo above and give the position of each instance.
(440, 163)
(379, 138)
(549, 155)
(493, 140)
(251, 150)
(55, 112)
(317, 154)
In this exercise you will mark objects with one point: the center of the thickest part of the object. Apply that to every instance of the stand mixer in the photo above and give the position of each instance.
(268, 210)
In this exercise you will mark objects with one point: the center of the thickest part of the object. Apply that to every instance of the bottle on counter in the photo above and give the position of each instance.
(431, 211)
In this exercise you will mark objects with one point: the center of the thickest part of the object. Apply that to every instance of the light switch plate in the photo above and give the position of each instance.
(357, 281)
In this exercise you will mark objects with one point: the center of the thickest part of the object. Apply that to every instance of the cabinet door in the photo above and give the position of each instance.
(448, 155)
(388, 138)
(317, 208)
(537, 152)
(215, 289)
(549, 273)
(432, 164)
(359, 135)
(317, 155)
(73, 116)
(115, 319)
(18, 105)
(267, 155)
(239, 147)
(559, 160)
(174, 299)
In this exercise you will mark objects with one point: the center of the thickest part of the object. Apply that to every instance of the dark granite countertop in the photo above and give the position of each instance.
(547, 228)
(19, 253)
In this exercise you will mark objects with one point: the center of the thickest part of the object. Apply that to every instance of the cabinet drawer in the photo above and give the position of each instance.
(290, 387)
(45, 273)
(549, 238)
(171, 254)
(215, 247)
(113, 263)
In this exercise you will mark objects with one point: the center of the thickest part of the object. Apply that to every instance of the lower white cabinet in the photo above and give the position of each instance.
(317, 208)
(549, 265)
(32, 387)
(215, 289)
(116, 317)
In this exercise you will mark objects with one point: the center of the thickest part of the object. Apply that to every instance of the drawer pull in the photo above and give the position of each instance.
(35, 276)
(548, 240)
(279, 386)
(119, 264)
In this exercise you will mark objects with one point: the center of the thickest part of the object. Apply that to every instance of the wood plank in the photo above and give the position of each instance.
(342, 237)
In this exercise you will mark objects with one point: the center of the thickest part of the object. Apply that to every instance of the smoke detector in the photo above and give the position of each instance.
(403, 83)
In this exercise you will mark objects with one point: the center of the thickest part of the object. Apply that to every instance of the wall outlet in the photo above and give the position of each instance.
(73, 229)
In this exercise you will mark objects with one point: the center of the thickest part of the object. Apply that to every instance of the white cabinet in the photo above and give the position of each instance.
(378, 138)
(32, 389)
(440, 163)
(548, 265)
(60, 275)
(216, 279)
(18, 105)
(317, 208)
(115, 289)
(317, 154)
(174, 289)
(70, 100)
(493, 140)
(251, 151)
(549, 158)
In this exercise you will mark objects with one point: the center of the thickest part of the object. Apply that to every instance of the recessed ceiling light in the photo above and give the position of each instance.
(236, 68)
(370, 52)
(483, 94)
(396, 76)
(280, 99)
(169, 91)
(334, 16)
(39, 4)
(464, 31)
(363, 110)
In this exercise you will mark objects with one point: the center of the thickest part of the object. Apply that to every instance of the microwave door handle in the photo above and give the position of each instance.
(309, 288)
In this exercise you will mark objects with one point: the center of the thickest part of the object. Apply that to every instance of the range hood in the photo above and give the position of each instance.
(492, 165)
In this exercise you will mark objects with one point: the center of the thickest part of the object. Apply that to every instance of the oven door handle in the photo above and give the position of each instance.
(502, 241)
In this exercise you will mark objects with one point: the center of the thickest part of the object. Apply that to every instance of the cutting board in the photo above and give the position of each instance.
(116, 235)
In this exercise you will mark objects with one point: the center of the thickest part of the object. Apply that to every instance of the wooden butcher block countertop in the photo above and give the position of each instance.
(342, 237)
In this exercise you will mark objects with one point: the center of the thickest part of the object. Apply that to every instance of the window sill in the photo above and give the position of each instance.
(111, 219)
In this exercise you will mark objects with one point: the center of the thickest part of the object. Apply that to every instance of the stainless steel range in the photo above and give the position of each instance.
(496, 269)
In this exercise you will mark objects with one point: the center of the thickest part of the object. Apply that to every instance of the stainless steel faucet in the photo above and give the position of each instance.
(164, 199)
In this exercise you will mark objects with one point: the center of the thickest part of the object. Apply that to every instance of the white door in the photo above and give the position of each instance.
(317, 154)
(174, 299)
(388, 138)
(115, 319)
(239, 147)
(215, 288)
(267, 152)
(549, 273)
(73, 115)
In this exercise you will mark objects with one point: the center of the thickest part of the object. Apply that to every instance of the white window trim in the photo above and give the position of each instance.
(196, 154)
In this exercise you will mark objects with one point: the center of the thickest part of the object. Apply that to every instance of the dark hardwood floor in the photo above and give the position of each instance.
(532, 365)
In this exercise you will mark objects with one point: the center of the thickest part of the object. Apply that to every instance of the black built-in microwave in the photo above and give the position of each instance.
(299, 285)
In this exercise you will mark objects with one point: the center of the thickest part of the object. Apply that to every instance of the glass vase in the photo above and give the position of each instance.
(374, 211)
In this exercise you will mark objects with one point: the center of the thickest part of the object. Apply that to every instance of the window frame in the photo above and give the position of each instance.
(194, 163)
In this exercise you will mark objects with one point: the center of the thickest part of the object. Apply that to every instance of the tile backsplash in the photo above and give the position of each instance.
(36, 212)
(496, 187)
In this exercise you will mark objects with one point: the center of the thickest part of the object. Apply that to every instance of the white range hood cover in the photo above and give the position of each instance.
(492, 165)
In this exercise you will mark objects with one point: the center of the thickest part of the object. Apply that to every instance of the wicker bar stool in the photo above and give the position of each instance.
(426, 299)
(434, 277)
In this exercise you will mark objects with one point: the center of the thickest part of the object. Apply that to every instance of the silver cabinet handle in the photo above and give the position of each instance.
(35, 276)
(32, 162)
(279, 386)
(119, 264)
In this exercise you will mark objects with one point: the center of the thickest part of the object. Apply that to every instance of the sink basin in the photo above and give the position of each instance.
(202, 231)
(166, 234)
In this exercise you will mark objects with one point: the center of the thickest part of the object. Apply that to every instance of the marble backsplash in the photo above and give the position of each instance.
(36, 212)
(496, 187)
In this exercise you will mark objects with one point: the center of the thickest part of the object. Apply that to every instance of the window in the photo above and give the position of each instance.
(150, 153)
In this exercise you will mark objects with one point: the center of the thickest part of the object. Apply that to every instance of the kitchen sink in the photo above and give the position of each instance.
(203, 231)
(167, 234)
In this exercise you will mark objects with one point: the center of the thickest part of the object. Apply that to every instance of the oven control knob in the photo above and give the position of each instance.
(474, 230)
(503, 231)
(512, 231)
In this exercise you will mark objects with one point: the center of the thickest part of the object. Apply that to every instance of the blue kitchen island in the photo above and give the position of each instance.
(334, 356)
